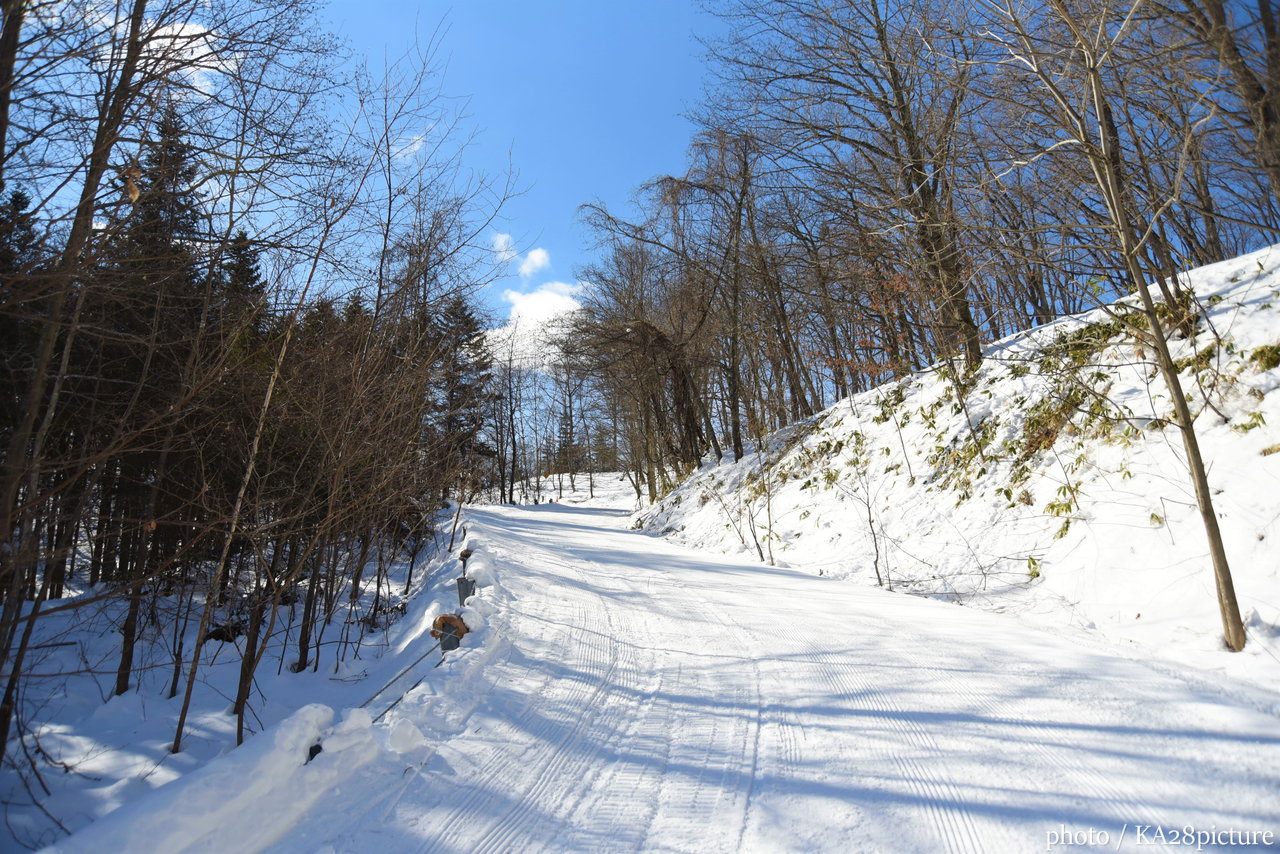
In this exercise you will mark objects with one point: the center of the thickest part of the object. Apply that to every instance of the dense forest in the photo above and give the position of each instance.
(243, 361)
(242, 357)
(880, 187)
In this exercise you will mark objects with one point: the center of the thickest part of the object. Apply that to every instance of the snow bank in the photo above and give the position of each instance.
(127, 790)
(264, 794)
(1053, 487)
(244, 800)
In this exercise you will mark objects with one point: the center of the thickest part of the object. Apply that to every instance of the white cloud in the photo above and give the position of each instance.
(533, 319)
(537, 259)
(408, 146)
(182, 52)
(504, 246)
(534, 261)
(545, 304)
(192, 52)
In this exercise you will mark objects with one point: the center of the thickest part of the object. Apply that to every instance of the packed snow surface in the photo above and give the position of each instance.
(628, 694)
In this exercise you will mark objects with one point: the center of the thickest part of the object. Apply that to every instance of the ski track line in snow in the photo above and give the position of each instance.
(490, 786)
(1071, 760)
(691, 801)
(952, 822)
(1058, 758)
(709, 752)
(661, 760)
(753, 652)
(1084, 764)
(954, 825)
(775, 728)
(564, 759)
(933, 782)
(611, 797)
(606, 797)
(602, 702)
(629, 707)
(1068, 766)
(744, 736)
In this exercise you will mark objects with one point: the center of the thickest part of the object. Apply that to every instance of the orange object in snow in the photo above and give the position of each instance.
(448, 624)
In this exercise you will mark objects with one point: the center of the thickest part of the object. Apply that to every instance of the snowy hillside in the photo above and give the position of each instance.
(1053, 489)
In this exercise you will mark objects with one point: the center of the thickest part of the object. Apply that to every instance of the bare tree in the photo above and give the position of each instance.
(1072, 74)
(871, 99)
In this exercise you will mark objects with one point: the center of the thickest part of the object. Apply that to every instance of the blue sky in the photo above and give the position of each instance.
(584, 97)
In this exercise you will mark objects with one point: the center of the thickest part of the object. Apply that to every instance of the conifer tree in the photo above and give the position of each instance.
(244, 291)
(19, 298)
(460, 388)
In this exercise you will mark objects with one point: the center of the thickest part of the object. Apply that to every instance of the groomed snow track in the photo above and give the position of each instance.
(636, 696)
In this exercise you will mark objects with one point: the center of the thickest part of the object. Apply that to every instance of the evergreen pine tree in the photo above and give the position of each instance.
(19, 303)
(149, 295)
(243, 299)
(461, 388)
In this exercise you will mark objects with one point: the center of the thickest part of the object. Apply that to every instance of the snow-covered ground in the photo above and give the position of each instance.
(1055, 490)
(623, 693)
(99, 752)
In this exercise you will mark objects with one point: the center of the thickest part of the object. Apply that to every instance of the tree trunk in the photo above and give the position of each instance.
(13, 11)
(23, 459)
(129, 636)
(1108, 168)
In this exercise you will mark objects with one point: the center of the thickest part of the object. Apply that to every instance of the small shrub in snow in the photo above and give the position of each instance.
(1266, 358)
(1078, 347)
(1199, 362)
(1068, 501)
(954, 464)
(890, 401)
(1253, 420)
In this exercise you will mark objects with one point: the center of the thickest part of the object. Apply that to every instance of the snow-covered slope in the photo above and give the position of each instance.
(1053, 487)
(100, 754)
